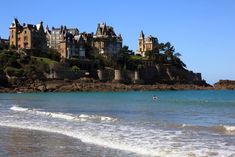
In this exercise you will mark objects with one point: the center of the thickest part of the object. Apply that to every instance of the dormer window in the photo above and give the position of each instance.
(25, 32)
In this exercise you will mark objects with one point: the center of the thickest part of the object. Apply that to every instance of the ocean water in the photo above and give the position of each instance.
(176, 124)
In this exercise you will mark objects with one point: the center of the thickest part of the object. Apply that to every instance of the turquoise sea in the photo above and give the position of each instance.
(176, 124)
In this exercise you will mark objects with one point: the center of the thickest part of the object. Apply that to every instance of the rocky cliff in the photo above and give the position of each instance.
(225, 84)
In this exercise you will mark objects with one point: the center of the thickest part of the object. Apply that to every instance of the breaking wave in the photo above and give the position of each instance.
(225, 129)
(228, 129)
(130, 137)
(65, 116)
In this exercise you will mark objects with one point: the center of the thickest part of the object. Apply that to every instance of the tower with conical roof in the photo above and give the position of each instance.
(14, 28)
(141, 42)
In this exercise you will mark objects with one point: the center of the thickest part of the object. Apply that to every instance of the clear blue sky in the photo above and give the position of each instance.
(203, 31)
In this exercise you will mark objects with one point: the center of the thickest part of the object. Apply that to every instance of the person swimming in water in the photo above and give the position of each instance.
(155, 98)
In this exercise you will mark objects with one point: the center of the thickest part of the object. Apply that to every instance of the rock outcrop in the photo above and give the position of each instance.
(86, 84)
(225, 84)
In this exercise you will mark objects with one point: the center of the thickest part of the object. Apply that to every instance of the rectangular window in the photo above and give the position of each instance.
(25, 45)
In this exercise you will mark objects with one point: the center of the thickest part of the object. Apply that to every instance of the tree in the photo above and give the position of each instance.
(149, 54)
(121, 59)
(1, 47)
(53, 54)
(169, 51)
(75, 68)
(158, 48)
(177, 54)
(177, 61)
(125, 48)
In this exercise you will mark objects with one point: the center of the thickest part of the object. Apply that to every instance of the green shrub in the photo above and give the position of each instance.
(53, 54)
(75, 68)
(135, 57)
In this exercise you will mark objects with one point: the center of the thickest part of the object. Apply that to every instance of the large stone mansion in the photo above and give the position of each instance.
(69, 42)
(27, 36)
(105, 40)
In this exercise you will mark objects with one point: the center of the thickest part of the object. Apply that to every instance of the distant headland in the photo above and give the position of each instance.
(225, 84)
(34, 57)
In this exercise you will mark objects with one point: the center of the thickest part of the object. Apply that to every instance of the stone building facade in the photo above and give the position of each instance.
(146, 44)
(105, 41)
(27, 36)
(68, 42)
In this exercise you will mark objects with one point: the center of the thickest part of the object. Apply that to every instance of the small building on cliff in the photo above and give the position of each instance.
(146, 44)
(27, 36)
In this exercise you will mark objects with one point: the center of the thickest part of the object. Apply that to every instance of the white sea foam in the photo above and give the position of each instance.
(162, 147)
(185, 125)
(66, 116)
(132, 138)
(96, 117)
(85, 137)
(16, 108)
(84, 116)
(229, 128)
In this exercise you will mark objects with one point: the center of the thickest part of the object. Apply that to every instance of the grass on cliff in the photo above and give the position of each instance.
(44, 60)
(135, 57)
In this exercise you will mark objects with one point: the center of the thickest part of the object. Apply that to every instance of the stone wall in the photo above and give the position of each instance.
(59, 71)
(166, 74)
(105, 75)
(121, 76)
(118, 75)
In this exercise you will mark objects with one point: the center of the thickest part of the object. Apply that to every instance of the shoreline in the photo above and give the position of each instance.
(66, 145)
(95, 86)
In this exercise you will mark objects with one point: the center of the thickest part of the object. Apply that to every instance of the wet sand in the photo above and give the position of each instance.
(29, 143)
